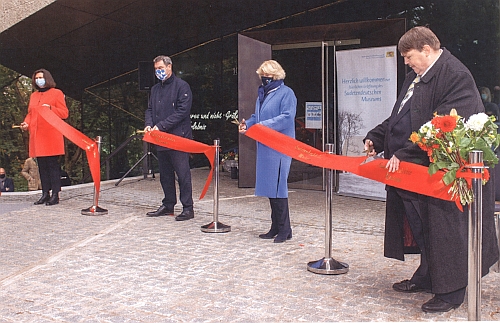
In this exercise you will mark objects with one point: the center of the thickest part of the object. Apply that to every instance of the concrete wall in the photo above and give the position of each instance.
(13, 11)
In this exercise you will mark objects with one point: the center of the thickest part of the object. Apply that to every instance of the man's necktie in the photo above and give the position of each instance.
(409, 93)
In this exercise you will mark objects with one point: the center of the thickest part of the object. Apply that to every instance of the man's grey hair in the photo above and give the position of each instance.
(163, 58)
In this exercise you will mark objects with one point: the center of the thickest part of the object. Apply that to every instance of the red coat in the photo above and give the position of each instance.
(45, 140)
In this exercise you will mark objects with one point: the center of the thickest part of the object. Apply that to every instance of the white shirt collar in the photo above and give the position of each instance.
(428, 68)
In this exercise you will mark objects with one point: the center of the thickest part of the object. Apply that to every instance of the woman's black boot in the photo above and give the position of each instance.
(274, 225)
(45, 197)
(283, 220)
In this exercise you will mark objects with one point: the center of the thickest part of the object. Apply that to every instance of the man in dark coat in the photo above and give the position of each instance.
(169, 111)
(438, 83)
(6, 183)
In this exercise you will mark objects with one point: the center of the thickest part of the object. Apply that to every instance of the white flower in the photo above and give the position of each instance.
(427, 129)
(476, 121)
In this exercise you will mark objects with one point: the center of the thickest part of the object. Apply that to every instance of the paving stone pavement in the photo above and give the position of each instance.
(58, 265)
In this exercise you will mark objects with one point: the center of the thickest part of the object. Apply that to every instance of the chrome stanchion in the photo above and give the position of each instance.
(328, 265)
(95, 209)
(475, 239)
(215, 226)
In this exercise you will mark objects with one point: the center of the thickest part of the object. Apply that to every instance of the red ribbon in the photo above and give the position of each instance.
(410, 177)
(168, 140)
(82, 141)
(464, 172)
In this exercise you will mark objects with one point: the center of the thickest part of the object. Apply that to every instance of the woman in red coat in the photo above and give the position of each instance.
(46, 142)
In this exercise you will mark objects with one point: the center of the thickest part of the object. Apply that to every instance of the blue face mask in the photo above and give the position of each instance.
(484, 96)
(161, 75)
(40, 82)
(266, 80)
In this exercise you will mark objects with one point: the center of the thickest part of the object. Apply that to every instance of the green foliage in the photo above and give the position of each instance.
(13, 106)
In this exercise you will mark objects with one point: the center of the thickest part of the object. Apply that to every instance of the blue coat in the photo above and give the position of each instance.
(278, 113)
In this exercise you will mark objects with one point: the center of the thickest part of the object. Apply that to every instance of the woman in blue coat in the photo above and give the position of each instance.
(275, 108)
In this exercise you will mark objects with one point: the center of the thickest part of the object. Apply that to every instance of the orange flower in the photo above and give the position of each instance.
(414, 137)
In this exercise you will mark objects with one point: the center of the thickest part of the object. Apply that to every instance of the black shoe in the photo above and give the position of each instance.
(45, 197)
(185, 215)
(162, 210)
(54, 199)
(269, 235)
(436, 305)
(279, 239)
(406, 286)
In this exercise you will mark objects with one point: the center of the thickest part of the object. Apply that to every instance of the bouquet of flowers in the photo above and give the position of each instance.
(449, 139)
(230, 156)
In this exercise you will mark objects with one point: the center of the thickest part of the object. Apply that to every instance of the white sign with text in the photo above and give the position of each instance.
(367, 90)
(313, 115)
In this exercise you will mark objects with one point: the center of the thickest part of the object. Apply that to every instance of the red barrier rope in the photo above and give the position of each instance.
(79, 139)
(168, 140)
(410, 177)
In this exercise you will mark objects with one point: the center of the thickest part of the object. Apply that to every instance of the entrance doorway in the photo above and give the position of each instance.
(308, 56)
(304, 75)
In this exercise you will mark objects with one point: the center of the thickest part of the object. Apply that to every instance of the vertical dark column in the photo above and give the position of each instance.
(251, 54)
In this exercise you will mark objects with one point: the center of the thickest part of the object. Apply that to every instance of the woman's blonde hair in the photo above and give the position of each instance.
(273, 68)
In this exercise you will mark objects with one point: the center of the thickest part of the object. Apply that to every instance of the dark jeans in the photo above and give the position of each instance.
(173, 162)
(50, 173)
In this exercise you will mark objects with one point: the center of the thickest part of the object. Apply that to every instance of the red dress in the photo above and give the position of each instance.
(45, 140)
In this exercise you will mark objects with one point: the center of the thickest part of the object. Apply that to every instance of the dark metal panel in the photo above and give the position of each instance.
(251, 54)
(89, 41)
(380, 30)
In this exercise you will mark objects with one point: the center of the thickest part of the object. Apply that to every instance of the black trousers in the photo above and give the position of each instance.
(50, 174)
(173, 162)
(421, 277)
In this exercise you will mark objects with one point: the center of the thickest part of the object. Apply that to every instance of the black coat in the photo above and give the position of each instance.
(448, 84)
(8, 185)
(169, 108)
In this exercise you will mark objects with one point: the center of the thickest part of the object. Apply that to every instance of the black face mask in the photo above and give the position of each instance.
(266, 80)
(2, 176)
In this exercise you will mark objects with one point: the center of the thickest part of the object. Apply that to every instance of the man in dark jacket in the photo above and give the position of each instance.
(438, 83)
(6, 183)
(169, 111)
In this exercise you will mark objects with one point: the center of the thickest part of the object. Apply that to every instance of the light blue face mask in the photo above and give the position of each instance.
(40, 82)
(484, 96)
(161, 74)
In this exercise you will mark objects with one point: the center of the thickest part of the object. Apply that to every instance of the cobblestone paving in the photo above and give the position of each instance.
(60, 266)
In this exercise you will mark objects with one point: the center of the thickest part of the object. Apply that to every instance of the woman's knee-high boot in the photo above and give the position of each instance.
(274, 223)
(283, 219)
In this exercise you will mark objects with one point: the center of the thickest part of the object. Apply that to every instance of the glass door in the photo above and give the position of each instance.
(307, 70)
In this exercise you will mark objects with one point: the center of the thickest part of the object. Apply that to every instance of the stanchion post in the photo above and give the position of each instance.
(95, 209)
(328, 265)
(475, 239)
(215, 226)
